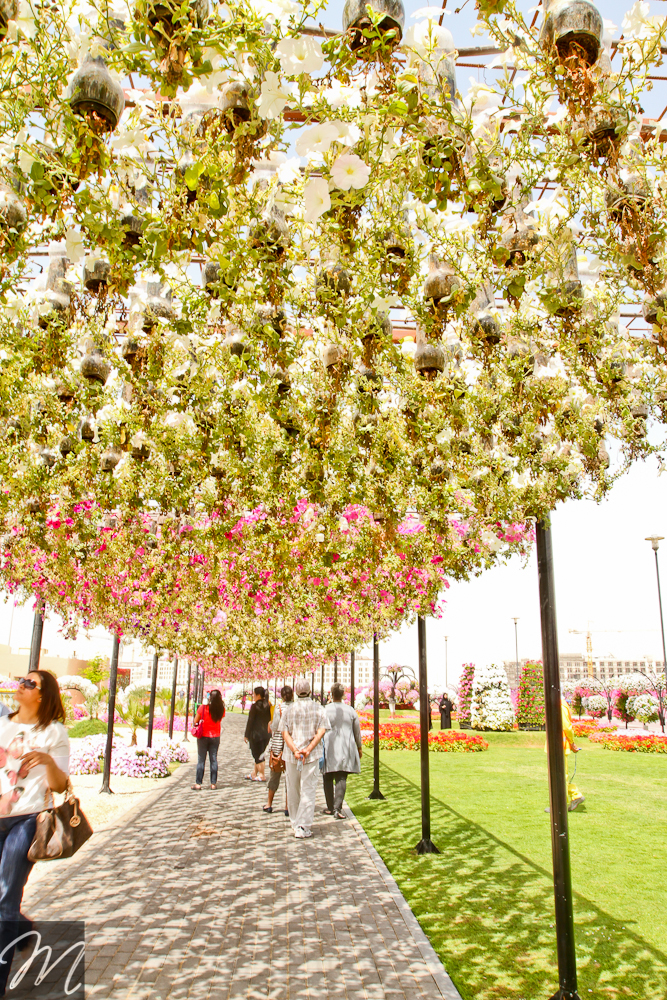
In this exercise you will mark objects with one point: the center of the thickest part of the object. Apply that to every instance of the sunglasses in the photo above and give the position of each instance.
(27, 682)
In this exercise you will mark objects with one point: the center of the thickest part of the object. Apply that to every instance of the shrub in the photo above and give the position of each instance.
(491, 706)
(644, 708)
(530, 707)
(621, 712)
(87, 727)
(131, 762)
(595, 705)
(644, 743)
(465, 692)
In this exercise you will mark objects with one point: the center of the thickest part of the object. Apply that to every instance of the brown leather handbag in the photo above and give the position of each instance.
(61, 830)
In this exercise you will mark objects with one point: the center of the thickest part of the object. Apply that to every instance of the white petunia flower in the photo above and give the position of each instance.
(316, 198)
(339, 95)
(272, 98)
(76, 250)
(317, 139)
(300, 55)
(276, 10)
(24, 22)
(350, 171)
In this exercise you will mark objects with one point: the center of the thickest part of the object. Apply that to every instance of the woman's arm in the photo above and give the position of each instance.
(56, 778)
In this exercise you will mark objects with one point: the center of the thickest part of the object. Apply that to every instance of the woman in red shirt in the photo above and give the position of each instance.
(210, 716)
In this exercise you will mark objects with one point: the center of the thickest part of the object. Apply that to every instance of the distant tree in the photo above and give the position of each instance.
(97, 669)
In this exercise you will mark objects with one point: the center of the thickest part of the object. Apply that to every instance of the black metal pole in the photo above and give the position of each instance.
(322, 685)
(335, 669)
(425, 845)
(662, 624)
(560, 847)
(376, 793)
(312, 683)
(202, 682)
(113, 685)
(187, 703)
(36, 643)
(352, 678)
(151, 703)
(172, 708)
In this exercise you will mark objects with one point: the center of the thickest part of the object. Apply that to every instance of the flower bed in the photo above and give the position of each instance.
(586, 729)
(406, 737)
(644, 743)
(132, 762)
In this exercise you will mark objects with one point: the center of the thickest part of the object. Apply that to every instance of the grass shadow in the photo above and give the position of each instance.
(488, 909)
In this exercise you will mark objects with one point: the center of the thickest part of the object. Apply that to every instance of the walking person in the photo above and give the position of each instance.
(34, 762)
(208, 741)
(446, 706)
(276, 747)
(257, 732)
(303, 724)
(391, 701)
(342, 751)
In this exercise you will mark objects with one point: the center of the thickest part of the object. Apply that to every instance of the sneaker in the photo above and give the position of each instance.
(301, 833)
(575, 802)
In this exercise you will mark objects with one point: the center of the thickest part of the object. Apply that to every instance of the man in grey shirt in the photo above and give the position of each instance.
(342, 750)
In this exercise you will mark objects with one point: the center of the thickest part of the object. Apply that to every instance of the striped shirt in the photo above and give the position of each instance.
(302, 719)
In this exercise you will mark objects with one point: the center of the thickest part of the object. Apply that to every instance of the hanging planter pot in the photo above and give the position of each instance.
(441, 285)
(48, 457)
(273, 316)
(13, 214)
(164, 17)
(653, 307)
(132, 222)
(58, 292)
(110, 458)
(573, 29)
(626, 195)
(333, 281)
(95, 276)
(356, 20)
(271, 233)
(8, 12)
(95, 367)
(234, 105)
(565, 293)
(519, 241)
(236, 342)
(95, 95)
(67, 445)
(158, 304)
(429, 358)
(486, 327)
(335, 357)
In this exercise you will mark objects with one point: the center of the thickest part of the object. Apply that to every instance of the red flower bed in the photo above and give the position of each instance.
(647, 743)
(406, 737)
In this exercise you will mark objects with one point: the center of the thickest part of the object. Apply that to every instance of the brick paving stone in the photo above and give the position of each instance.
(205, 896)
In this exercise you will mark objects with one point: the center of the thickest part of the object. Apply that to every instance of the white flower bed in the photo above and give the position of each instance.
(491, 706)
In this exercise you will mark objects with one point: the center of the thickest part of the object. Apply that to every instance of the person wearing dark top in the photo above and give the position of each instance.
(210, 716)
(257, 732)
(446, 707)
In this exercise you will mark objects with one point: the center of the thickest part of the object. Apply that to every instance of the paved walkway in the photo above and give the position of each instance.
(202, 895)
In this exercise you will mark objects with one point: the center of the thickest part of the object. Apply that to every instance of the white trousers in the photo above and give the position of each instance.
(301, 792)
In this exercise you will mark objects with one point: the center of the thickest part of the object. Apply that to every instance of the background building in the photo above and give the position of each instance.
(574, 667)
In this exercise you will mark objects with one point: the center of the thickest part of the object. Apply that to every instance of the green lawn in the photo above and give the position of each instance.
(486, 901)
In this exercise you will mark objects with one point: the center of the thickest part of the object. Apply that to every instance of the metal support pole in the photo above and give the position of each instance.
(425, 845)
(335, 669)
(312, 683)
(151, 703)
(187, 703)
(516, 647)
(36, 643)
(662, 623)
(560, 847)
(322, 685)
(113, 685)
(172, 708)
(376, 793)
(352, 678)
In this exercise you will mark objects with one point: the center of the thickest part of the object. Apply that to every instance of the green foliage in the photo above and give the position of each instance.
(87, 727)
(97, 669)
(134, 714)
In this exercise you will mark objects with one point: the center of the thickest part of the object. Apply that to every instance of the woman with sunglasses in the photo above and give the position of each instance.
(34, 762)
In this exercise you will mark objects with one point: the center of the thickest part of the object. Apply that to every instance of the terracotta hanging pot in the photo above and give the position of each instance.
(94, 94)
(95, 275)
(158, 304)
(95, 367)
(133, 222)
(67, 445)
(574, 29)
(429, 359)
(519, 240)
(335, 356)
(356, 19)
(87, 428)
(162, 15)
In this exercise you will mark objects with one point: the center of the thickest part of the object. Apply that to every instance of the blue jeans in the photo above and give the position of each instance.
(207, 745)
(16, 836)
